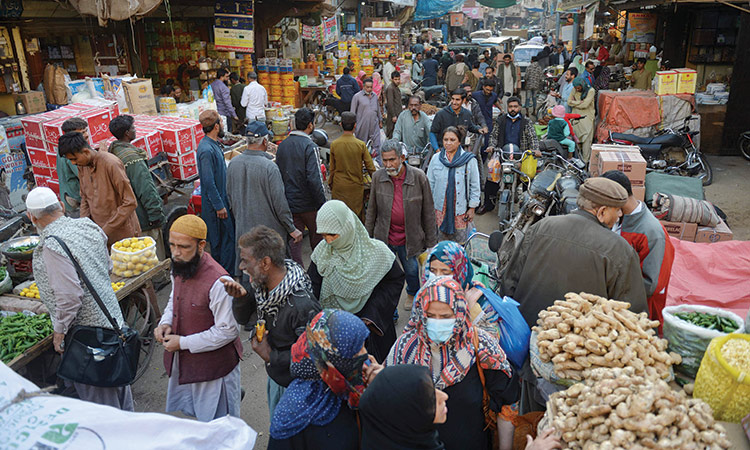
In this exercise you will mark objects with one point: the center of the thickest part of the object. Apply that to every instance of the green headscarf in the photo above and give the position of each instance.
(353, 264)
(577, 64)
(580, 81)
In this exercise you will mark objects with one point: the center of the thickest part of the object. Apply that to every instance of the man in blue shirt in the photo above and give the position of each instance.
(346, 87)
(223, 96)
(430, 70)
(212, 171)
(487, 98)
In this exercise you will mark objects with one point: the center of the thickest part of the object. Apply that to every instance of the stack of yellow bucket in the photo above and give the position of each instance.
(247, 64)
(264, 77)
(288, 88)
(367, 62)
(355, 58)
(276, 91)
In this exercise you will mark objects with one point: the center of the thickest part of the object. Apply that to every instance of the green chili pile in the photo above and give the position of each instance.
(22, 248)
(19, 332)
(709, 321)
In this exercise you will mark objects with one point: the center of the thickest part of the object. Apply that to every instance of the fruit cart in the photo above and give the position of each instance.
(136, 309)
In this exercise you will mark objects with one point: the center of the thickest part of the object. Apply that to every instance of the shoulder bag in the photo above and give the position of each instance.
(99, 356)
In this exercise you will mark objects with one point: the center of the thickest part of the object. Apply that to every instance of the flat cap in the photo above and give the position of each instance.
(603, 191)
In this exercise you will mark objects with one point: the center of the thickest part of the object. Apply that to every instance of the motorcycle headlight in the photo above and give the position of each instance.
(537, 209)
(506, 169)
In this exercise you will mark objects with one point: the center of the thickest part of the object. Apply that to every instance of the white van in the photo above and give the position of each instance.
(522, 55)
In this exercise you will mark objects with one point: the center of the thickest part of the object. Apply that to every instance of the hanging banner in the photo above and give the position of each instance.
(641, 27)
(457, 19)
(308, 32)
(473, 13)
(330, 31)
(233, 26)
(588, 26)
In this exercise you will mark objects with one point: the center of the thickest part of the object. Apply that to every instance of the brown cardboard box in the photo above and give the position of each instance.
(639, 192)
(718, 234)
(33, 101)
(596, 149)
(631, 163)
(139, 93)
(681, 230)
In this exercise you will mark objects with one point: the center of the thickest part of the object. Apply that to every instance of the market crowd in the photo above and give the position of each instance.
(340, 374)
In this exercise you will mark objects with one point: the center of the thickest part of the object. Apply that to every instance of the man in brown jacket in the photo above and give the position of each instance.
(106, 195)
(393, 103)
(401, 214)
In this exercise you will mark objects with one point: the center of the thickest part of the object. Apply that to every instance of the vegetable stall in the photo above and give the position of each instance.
(25, 328)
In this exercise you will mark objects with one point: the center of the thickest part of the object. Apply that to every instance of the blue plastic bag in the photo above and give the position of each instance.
(514, 331)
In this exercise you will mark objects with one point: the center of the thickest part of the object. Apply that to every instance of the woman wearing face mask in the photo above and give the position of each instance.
(581, 101)
(353, 272)
(331, 369)
(400, 410)
(454, 179)
(440, 337)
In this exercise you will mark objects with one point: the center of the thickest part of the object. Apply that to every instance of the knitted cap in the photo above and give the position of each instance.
(603, 191)
(558, 111)
(190, 225)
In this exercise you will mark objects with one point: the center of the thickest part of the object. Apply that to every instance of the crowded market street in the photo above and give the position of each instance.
(365, 224)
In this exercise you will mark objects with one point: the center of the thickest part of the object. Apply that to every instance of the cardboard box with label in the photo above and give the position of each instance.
(666, 82)
(596, 149)
(719, 233)
(639, 192)
(139, 94)
(632, 164)
(33, 101)
(681, 230)
(686, 81)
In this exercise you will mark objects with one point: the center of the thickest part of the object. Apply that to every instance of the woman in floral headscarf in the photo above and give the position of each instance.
(440, 336)
(331, 369)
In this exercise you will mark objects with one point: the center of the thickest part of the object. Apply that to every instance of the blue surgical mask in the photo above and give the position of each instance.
(440, 330)
(514, 117)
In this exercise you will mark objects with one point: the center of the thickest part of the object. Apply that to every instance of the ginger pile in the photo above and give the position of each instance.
(616, 409)
(585, 331)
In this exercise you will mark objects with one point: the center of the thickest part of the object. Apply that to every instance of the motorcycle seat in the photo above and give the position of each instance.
(665, 140)
(650, 150)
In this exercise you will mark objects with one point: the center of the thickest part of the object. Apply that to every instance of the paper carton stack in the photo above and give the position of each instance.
(180, 138)
(625, 158)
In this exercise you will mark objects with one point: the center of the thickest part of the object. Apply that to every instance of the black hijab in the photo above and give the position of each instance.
(398, 410)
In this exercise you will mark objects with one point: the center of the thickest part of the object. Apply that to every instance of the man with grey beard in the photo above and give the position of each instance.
(401, 214)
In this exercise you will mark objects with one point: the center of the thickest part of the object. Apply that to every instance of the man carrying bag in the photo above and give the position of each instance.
(71, 267)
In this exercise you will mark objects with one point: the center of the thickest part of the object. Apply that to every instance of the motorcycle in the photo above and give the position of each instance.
(671, 151)
(553, 191)
(512, 181)
(324, 107)
(419, 158)
(744, 144)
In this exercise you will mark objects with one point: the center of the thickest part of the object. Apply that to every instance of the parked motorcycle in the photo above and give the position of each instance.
(553, 191)
(419, 158)
(513, 182)
(672, 152)
(744, 144)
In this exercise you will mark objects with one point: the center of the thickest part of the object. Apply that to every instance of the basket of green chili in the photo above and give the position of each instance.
(19, 332)
(20, 248)
(690, 328)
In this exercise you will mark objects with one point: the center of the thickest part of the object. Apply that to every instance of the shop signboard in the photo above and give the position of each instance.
(588, 26)
(14, 166)
(457, 19)
(641, 27)
(330, 32)
(232, 40)
(475, 12)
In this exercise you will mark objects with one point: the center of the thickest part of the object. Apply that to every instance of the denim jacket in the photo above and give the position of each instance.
(437, 174)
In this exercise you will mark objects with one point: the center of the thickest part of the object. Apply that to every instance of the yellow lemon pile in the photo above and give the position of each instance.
(133, 256)
(30, 292)
(117, 286)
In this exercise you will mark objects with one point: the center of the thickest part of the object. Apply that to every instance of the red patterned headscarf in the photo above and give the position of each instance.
(457, 354)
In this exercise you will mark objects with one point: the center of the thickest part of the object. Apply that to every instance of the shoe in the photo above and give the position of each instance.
(483, 209)
(409, 302)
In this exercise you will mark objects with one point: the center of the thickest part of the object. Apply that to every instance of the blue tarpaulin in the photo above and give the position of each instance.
(432, 9)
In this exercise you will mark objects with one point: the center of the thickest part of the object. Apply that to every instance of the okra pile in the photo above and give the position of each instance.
(709, 321)
(19, 332)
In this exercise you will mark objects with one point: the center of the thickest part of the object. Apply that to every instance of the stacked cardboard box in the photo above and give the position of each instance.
(629, 162)
(694, 233)
(180, 138)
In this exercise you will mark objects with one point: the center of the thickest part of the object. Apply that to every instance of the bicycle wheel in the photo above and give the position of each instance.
(139, 315)
(744, 145)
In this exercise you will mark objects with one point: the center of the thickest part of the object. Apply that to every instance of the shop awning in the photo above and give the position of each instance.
(106, 10)
(497, 3)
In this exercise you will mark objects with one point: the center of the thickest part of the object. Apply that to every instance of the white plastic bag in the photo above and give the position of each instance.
(50, 421)
(691, 341)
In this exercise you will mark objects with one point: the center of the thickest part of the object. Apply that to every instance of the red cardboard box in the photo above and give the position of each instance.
(32, 129)
(52, 164)
(183, 166)
(53, 130)
(54, 185)
(98, 120)
(109, 105)
(154, 144)
(183, 172)
(38, 156)
(177, 139)
(42, 181)
(41, 171)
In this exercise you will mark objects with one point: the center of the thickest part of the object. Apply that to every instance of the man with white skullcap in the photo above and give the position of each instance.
(60, 288)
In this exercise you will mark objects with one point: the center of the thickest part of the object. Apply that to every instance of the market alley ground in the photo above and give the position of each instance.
(730, 191)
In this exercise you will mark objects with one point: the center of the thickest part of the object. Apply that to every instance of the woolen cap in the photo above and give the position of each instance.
(603, 191)
(40, 198)
(190, 225)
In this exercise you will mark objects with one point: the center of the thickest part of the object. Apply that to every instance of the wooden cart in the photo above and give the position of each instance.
(137, 310)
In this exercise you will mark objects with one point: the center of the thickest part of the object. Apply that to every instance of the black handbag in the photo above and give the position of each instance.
(99, 356)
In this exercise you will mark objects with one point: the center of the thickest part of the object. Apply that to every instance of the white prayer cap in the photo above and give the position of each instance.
(40, 198)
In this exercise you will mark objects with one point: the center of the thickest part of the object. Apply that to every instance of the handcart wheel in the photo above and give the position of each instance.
(140, 316)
